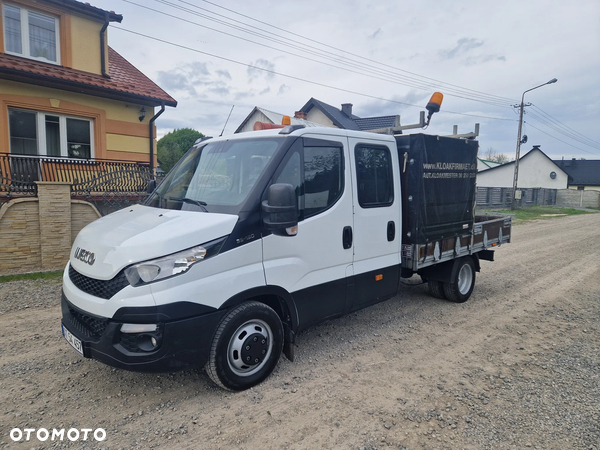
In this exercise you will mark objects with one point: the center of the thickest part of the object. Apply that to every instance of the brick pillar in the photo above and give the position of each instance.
(55, 223)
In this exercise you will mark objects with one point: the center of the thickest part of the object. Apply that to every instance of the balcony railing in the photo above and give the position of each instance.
(96, 180)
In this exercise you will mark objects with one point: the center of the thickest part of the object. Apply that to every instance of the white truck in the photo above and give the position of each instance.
(254, 237)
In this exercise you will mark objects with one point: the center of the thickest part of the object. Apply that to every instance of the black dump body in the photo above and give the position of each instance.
(438, 176)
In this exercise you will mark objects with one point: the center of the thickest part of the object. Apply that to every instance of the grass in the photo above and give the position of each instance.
(47, 276)
(542, 212)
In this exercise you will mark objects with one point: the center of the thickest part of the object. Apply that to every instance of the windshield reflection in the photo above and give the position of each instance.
(216, 174)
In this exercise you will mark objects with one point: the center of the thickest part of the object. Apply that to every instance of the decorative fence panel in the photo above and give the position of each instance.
(110, 185)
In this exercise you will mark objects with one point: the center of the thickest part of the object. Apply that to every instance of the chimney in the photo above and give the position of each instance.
(300, 115)
(347, 109)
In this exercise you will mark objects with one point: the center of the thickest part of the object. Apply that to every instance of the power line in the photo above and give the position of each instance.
(565, 129)
(295, 77)
(358, 67)
(341, 50)
(560, 140)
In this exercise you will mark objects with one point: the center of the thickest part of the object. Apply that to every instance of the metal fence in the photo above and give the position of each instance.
(490, 197)
(108, 184)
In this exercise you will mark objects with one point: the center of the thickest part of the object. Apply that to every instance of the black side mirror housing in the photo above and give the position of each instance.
(281, 210)
(151, 186)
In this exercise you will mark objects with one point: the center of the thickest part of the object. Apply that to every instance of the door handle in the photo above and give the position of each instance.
(391, 231)
(347, 237)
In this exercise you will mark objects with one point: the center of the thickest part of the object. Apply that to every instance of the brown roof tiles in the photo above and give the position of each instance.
(125, 82)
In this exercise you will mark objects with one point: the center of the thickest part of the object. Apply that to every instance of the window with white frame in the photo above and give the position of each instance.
(48, 134)
(31, 34)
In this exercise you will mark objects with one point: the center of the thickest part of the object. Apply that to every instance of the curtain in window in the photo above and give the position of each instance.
(23, 132)
(52, 136)
(12, 29)
(42, 36)
(79, 138)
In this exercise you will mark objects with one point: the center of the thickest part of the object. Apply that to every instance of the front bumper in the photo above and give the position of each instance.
(183, 342)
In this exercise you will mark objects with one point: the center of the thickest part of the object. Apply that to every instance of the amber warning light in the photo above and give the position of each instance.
(435, 102)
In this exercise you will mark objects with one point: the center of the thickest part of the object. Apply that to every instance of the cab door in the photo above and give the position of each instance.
(377, 220)
(315, 264)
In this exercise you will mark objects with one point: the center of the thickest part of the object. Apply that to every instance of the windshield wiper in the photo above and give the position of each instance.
(199, 203)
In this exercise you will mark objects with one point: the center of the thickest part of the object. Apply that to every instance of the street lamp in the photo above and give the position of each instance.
(514, 198)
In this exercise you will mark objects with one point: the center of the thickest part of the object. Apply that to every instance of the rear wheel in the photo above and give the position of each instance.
(246, 347)
(460, 288)
(436, 289)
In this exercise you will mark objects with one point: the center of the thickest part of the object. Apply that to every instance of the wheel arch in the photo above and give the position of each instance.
(277, 298)
(447, 271)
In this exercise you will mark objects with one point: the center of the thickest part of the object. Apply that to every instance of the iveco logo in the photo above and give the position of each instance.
(85, 256)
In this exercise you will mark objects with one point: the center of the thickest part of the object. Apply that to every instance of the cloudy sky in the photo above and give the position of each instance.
(385, 57)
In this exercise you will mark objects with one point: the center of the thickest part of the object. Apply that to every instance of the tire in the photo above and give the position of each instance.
(436, 289)
(461, 287)
(246, 347)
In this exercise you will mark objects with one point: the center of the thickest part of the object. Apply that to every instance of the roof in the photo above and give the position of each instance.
(87, 9)
(489, 164)
(582, 172)
(125, 82)
(275, 117)
(350, 122)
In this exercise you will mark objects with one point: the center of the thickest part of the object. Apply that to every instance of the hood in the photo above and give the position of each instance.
(139, 233)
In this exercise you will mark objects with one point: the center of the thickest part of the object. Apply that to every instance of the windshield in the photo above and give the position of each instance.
(217, 174)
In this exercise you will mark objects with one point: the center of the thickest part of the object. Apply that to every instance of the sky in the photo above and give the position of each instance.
(383, 57)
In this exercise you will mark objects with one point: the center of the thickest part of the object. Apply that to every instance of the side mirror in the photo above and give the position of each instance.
(151, 186)
(281, 211)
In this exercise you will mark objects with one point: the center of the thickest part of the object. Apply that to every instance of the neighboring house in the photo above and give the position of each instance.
(583, 174)
(536, 170)
(317, 113)
(64, 92)
(320, 112)
(266, 116)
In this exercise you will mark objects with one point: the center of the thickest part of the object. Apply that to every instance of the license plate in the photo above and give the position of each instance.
(75, 343)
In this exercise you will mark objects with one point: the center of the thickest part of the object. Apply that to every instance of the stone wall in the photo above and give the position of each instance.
(36, 234)
(570, 198)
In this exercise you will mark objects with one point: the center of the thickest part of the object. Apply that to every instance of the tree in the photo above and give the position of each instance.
(492, 155)
(173, 145)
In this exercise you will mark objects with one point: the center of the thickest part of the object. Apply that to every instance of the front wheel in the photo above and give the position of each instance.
(460, 288)
(246, 347)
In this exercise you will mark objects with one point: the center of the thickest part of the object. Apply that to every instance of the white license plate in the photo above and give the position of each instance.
(75, 343)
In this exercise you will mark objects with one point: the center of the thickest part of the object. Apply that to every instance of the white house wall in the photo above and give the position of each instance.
(534, 172)
(256, 117)
(316, 115)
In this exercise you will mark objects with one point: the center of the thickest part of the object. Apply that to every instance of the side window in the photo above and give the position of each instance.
(374, 176)
(317, 175)
(323, 178)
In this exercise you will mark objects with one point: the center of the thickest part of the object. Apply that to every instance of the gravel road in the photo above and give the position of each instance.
(515, 367)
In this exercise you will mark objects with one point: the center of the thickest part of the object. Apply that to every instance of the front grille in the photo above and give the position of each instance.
(99, 288)
(87, 325)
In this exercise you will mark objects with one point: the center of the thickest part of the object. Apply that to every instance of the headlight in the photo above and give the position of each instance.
(171, 265)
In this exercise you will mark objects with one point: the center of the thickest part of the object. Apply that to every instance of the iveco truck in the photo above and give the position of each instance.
(252, 238)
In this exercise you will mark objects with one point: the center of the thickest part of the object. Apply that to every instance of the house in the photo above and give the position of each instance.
(264, 115)
(77, 128)
(318, 113)
(536, 170)
(65, 93)
(584, 174)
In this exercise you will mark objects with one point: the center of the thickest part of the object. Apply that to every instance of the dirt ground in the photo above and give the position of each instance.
(517, 366)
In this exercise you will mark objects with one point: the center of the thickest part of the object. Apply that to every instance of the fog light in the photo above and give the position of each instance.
(153, 341)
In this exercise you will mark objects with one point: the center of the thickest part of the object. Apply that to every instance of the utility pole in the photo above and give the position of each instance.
(522, 107)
